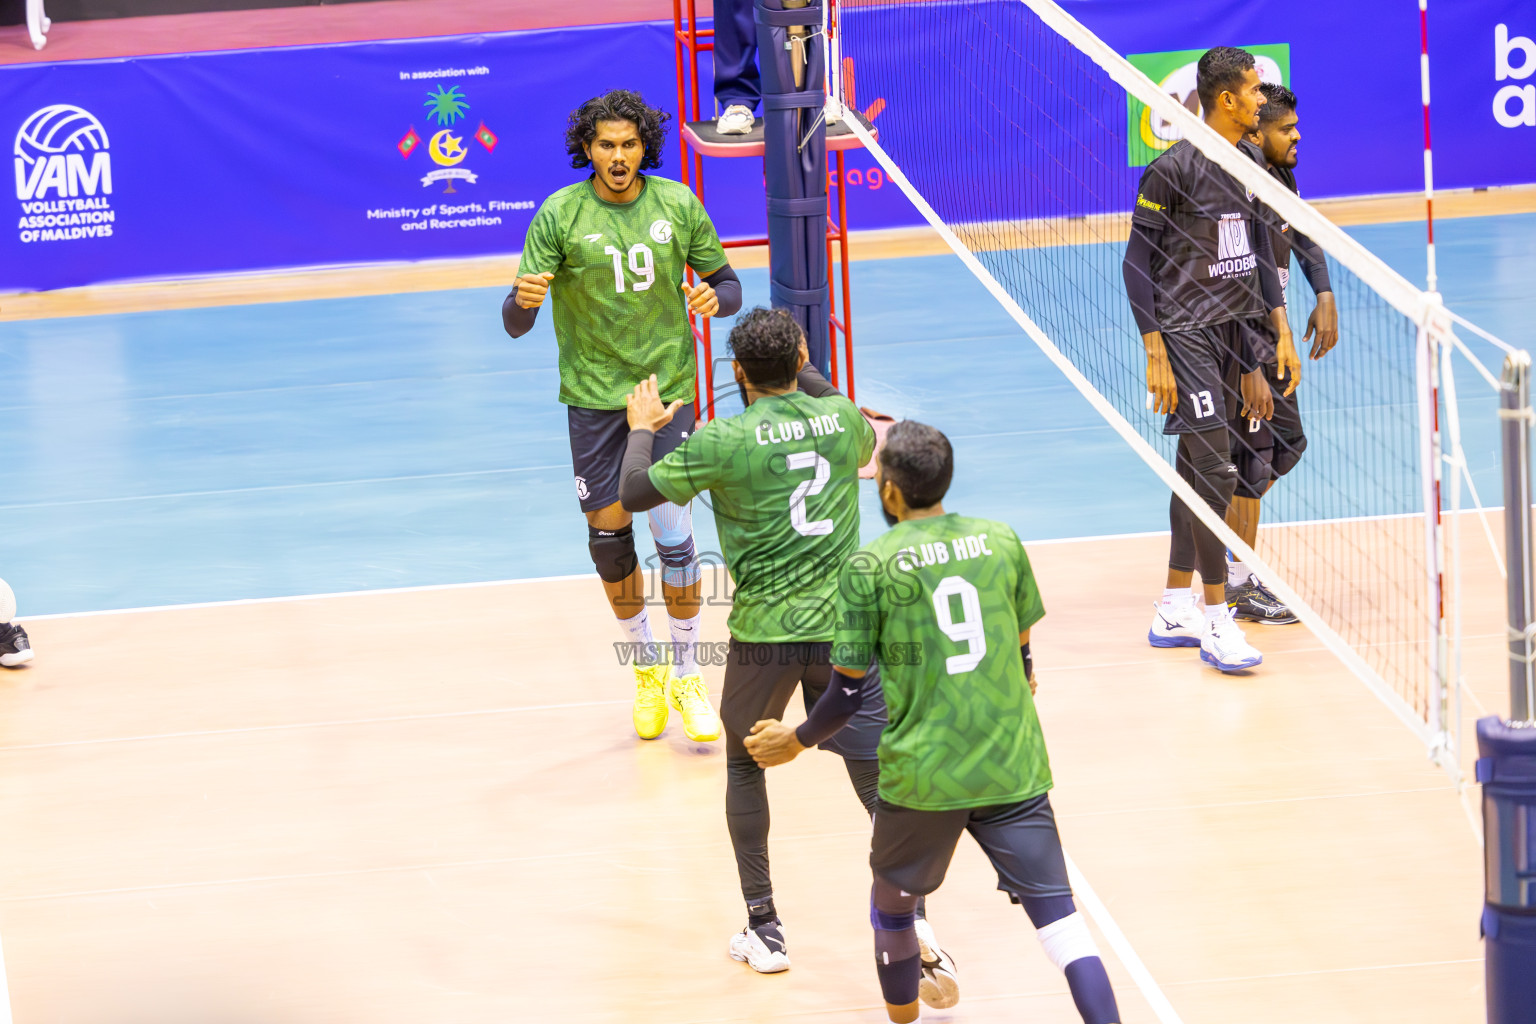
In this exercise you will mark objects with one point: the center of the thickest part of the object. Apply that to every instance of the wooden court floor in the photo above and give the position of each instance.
(429, 807)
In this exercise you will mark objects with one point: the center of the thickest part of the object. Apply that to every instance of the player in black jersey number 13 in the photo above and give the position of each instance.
(946, 603)
(1201, 277)
(612, 251)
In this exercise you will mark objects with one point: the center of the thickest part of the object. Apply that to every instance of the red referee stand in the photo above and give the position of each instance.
(697, 139)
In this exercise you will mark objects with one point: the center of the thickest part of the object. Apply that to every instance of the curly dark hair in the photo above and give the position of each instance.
(1278, 101)
(918, 459)
(617, 105)
(766, 342)
(1220, 69)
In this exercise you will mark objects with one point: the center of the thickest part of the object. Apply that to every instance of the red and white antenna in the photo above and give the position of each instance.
(1429, 167)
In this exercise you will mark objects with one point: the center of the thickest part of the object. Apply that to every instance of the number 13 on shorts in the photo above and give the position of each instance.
(1204, 407)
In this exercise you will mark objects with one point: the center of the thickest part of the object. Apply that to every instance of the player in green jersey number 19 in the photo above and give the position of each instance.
(941, 601)
(611, 251)
(783, 477)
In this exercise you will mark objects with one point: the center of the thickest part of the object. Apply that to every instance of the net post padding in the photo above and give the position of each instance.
(795, 167)
(1397, 291)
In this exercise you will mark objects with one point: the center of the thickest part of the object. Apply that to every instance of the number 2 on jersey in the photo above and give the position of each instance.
(640, 263)
(806, 460)
(966, 631)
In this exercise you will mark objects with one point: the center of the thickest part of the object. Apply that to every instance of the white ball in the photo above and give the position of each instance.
(7, 602)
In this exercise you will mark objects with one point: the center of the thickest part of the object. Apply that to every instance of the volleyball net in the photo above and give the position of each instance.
(1022, 137)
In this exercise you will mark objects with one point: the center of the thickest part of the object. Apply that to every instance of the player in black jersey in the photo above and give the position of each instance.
(1205, 290)
(1270, 449)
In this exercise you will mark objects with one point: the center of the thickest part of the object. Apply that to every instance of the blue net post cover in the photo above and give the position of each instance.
(1506, 767)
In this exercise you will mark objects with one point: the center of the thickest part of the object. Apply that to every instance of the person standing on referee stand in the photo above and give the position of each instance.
(784, 478)
(612, 251)
(1206, 294)
(1271, 448)
(945, 603)
(738, 83)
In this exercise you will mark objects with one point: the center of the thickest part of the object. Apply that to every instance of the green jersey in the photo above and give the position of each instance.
(783, 478)
(620, 313)
(941, 602)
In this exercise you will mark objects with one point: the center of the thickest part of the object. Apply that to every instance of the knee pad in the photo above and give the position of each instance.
(672, 530)
(1255, 471)
(1288, 453)
(613, 552)
(884, 922)
(1067, 940)
(1215, 477)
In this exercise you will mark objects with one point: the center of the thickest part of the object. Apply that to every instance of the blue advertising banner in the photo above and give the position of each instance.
(207, 163)
(417, 149)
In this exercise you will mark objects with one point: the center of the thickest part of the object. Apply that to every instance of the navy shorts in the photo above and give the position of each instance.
(759, 679)
(1265, 450)
(598, 437)
(1207, 371)
(912, 849)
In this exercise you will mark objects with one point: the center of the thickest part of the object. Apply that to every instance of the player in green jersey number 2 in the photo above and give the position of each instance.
(946, 602)
(612, 251)
(783, 477)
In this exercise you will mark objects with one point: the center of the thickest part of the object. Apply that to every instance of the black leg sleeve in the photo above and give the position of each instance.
(1205, 460)
(746, 816)
(1181, 548)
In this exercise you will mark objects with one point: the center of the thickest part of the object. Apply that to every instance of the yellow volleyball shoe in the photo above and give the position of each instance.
(652, 683)
(689, 696)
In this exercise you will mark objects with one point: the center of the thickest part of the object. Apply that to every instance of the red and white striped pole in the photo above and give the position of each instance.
(1429, 381)
(1429, 170)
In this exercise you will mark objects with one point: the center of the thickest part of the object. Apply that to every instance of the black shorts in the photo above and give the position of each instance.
(598, 437)
(759, 679)
(912, 849)
(1206, 371)
(1265, 450)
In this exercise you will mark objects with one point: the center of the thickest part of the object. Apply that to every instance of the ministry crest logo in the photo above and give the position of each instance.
(446, 146)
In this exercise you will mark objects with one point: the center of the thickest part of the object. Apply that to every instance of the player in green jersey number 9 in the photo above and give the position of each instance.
(612, 252)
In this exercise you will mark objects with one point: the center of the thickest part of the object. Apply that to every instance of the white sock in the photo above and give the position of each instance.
(1237, 573)
(637, 630)
(1178, 597)
(1216, 613)
(685, 638)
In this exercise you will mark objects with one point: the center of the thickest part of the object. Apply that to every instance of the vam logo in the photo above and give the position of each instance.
(63, 176)
(61, 150)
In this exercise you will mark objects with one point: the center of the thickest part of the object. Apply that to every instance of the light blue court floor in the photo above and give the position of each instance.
(353, 444)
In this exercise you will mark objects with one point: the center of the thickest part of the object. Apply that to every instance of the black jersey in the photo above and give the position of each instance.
(1205, 270)
(1280, 233)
